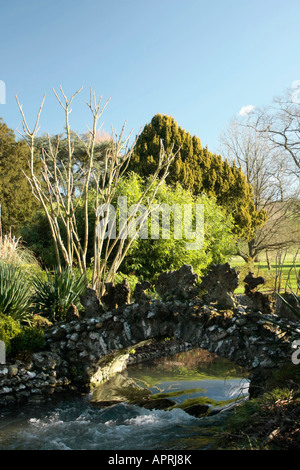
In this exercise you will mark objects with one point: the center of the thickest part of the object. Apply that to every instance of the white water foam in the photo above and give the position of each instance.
(90, 429)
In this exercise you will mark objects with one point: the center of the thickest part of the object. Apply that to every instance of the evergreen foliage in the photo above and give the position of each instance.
(199, 171)
(59, 143)
(16, 198)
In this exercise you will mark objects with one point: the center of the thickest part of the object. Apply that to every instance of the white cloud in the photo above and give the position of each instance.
(296, 94)
(246, 110)
(296, 84)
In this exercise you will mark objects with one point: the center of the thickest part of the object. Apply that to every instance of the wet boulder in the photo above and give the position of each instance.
(197, 410)
(155, 404)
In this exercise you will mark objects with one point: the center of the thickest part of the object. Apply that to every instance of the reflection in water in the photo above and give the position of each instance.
(191, 375)
(197, 370)
(77, 424)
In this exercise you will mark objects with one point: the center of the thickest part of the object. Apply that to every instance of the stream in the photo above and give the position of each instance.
(81, 423)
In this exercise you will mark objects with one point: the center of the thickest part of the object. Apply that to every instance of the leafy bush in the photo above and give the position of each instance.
(15, 292)
(28, 339)
(54, 295)
(148, 257)
(9, 329)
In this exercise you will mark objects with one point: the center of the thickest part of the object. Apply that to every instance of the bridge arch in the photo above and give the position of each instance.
(94, 348)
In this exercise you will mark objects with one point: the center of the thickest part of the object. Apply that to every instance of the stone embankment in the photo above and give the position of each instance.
(34, 380)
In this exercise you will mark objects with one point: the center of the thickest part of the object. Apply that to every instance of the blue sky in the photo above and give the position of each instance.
(199, 61)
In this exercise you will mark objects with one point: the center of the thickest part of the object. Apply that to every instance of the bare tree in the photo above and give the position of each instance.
(60, 197)
(280, 123)
(267, 172)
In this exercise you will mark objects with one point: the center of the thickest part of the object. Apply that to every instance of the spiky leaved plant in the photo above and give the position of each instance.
(15, 292)
(55, 293)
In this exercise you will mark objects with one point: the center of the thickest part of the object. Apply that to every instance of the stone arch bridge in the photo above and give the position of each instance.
(91, 350)
(85, 351)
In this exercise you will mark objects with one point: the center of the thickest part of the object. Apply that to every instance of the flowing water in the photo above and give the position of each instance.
(77, 424)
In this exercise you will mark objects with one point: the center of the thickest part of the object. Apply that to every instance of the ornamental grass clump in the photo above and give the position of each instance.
(12, 251)
(55, 293)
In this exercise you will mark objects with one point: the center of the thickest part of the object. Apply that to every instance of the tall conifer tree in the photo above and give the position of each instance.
(198, 170)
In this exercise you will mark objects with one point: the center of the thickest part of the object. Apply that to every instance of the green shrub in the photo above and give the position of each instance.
(148, 257)
(15, 292)
(9, 329)
(28, 339)
(54, 295)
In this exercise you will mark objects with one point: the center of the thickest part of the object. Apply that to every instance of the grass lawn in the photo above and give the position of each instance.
(283, 271)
